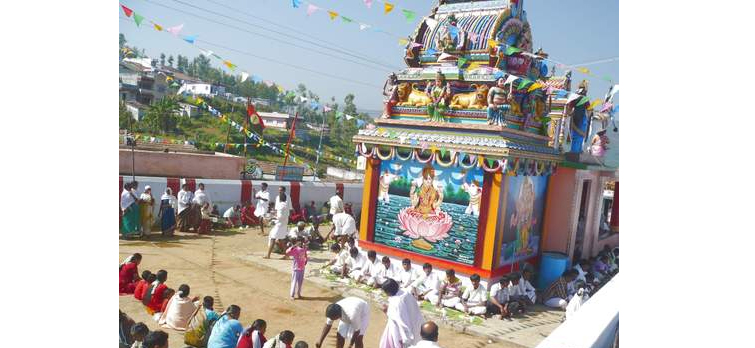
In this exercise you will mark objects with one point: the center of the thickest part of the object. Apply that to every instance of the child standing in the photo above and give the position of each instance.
(299, 253)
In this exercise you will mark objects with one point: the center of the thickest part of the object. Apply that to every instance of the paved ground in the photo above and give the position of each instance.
(229, 267)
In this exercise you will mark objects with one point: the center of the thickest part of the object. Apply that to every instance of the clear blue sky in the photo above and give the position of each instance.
(570, 31)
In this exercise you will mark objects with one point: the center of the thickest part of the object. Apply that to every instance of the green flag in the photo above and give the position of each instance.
(409, 15)
(138, 19)
(347, 19)
(607, 78)
(583, 100)
(443, 152)
(490, 162)
(511, 50)
(460, 63)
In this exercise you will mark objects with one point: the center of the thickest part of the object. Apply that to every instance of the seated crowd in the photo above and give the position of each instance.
(512, 294)
(176, 310)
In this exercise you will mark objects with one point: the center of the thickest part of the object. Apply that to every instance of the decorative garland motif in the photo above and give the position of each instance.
(472, 161)
(483, 164)
(382, 157)
(439, 161)
(408, 157)
(419, 159)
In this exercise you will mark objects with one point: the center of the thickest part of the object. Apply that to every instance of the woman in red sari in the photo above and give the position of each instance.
(128, 274)
(157, 292)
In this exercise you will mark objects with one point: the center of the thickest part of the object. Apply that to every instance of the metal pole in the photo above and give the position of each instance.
(319, 146)
(228, 134)
(133, 143)
(290, 138)
(246, 123)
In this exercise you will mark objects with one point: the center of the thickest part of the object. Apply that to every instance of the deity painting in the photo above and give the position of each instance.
(428, 209)
(525, 202)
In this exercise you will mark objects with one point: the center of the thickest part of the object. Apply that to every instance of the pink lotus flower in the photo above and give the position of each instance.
(433, 228)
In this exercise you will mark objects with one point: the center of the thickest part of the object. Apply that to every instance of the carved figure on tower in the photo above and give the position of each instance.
(390, 91)
(579, 120)
(498, 105)
(439, 93)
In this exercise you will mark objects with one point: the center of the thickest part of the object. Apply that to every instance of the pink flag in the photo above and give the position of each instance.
(311, 9)
(415, 44)
(473, 37)
(175, 30)
(368, 3)
(325, 108)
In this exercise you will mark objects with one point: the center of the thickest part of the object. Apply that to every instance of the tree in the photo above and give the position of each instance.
(170, 60)
(121, 40)
(124, 117)
(162, 59)
(162, 115)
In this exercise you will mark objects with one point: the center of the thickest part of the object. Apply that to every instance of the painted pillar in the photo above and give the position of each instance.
(369, 181)
(491, 221)
(615, 209)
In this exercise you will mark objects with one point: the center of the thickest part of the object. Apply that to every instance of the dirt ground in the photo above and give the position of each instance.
(211, 265)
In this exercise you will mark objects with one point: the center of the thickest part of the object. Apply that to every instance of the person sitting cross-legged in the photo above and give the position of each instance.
(427, 284)
(369, 269)
(474, 300)
(500, 300)
(450, 290)
(386, 270)
(337, 264)
(556, 296)
(517, 292)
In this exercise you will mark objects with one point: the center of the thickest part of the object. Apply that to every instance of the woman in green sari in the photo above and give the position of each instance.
(439, 93)
(130, 210)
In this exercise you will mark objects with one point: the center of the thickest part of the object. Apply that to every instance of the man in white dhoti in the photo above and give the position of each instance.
(369, 269)
(429, 335)
(336, 203)
(185, 197)
(402, 329)
(385, 271)
(407, 276)
(385, 183)
(338, 264)
(475, 194)
(474, 300)
(354, 316)
(344, 226)
(356, 263)
(263, 204)
(280, 229)
(427, 284)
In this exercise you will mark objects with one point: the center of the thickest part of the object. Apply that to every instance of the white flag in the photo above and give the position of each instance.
(244, 76)
(363, 26)
(511, 79)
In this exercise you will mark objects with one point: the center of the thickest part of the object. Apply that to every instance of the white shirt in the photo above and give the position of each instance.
(582, 273)
(184, 199)
(500, 294)
(342, 258)
(370, 267)
(231, 212)
(344, 224)
(295, 233)
(407, 278)
(262, 205)
(525, 286)
(355, 312)
(427, 282)
(426, 344)
(475, 296)
(391, 272)
(335, 202)
(357, 263)
(201, 198)
(281, 211)
(515, 290)
(126, 199)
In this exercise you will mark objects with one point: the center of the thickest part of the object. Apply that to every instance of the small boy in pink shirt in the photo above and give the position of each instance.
(298, 252)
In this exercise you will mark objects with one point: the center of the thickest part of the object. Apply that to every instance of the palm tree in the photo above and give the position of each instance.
(162, 115)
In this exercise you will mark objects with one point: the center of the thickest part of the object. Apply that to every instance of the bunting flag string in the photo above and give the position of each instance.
(388, 7)
(191, 39)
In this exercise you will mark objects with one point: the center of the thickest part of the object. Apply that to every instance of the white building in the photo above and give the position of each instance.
(276, 120)
(201, 88)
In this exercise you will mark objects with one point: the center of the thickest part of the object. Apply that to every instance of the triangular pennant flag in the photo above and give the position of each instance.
(138, 19)
(175, 30)
(326, 108)
(583, 100)
(349, 117)
(561, 93)
(206, 53)
(473, 37)
(127, 11)
(415, 44)
(534, 87)
(615, 109)
(510, 79)
(607, 78)
(333, 15)
(296, 3)
(256, 79)
(583, 70)
(490, 162)
(244, 76)
(388, 7)
(409, 15)
(311, 9)
(442, 151)
(594, 103)
(190, 38)
(492, 43)
(511, 50)
(229, 65)
(430, 51)
(431, 22)
(280, 89)
(523, 83)
(339, 114)
(368, 3)
(363, 26)
(158, 27)
(403, 41)
(460, 63)
(346, 19)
